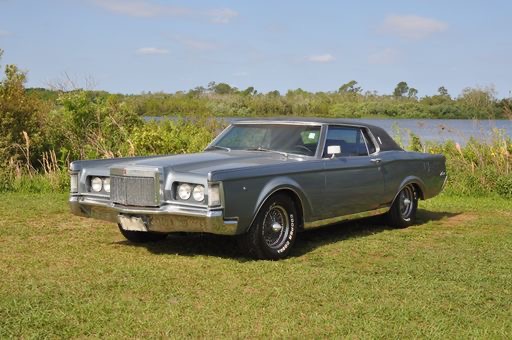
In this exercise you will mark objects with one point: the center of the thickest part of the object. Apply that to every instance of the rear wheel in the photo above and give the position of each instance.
(273, 232)
(403, 211)
(141, 236)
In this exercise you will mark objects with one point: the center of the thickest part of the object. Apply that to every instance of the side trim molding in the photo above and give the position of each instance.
(320, 223)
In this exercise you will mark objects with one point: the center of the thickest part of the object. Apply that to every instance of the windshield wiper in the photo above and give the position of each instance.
(259, 148)
(219, 147)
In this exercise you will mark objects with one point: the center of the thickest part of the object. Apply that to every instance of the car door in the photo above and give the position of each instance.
(354, 178)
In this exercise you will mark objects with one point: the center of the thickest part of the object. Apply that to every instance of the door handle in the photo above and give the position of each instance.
(376, 160)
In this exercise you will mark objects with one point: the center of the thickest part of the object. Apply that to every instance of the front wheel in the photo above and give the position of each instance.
(403, 211)
(141, 236)
(273, 232)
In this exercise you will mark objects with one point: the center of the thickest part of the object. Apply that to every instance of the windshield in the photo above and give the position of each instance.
(294, 139)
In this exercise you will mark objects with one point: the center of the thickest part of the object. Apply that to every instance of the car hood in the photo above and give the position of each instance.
(196, 163)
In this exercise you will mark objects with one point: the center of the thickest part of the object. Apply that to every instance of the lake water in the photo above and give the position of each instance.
(436, 130)
(441, 130)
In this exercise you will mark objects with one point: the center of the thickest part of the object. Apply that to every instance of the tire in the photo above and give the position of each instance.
(141, 236)
(403, 211)
(274, 230)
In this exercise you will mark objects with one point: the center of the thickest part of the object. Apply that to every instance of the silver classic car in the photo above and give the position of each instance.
(263, 181)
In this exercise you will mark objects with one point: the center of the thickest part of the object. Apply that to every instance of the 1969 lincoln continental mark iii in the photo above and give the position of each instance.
(262, 181)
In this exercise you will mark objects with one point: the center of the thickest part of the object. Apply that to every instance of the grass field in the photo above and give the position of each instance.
(448, 276)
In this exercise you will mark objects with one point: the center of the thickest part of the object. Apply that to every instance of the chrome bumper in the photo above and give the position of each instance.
(166, 219)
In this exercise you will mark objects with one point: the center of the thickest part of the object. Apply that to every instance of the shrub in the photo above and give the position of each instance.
(478, 168)
(174, 136)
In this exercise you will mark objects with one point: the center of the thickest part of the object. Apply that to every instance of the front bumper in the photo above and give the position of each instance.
(166, 219)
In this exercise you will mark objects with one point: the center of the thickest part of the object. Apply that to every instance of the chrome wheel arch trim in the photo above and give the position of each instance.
(300, 210)
(412, 180)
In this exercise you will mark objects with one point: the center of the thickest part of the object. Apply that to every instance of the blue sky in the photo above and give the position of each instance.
(130, 46)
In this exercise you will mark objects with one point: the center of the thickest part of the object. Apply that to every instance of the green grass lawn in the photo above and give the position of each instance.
(448, 276)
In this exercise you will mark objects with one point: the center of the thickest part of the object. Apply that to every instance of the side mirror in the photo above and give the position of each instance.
(333, 150)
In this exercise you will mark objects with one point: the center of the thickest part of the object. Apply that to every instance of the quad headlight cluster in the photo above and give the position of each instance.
(186, 190)
(197, 193)
(99, 184)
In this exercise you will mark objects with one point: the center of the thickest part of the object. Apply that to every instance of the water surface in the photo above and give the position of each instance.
(435, 130)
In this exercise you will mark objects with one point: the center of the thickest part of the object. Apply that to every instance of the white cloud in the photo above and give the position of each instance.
(321, 58)
(385, 56)
(149, 9)
(222, 16)
(4, 33)
(151, 50)
(412, 27)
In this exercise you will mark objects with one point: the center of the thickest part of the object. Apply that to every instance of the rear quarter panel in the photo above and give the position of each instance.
(401, 168)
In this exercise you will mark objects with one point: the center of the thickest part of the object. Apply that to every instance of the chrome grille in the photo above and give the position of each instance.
(134, 190)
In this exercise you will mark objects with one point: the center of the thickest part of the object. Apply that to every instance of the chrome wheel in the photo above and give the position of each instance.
(406, 202)
(403, 211)
(273, 231)
(276, 227)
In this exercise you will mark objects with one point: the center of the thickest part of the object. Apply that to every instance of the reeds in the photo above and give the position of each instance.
(476, 168)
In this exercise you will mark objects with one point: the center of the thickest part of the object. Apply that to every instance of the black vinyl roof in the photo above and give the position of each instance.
(386, 143)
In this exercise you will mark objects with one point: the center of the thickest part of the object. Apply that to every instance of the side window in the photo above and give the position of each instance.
(349, 139)
(369, 142)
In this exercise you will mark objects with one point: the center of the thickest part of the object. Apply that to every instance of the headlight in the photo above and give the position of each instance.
(184, 191)
(213, 195)
(106, 184)
(74, 183)
(96, 184)
(198, 193)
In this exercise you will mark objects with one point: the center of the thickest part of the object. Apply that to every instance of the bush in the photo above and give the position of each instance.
(174, 136)
(42, 130)
(88, 126)
(478, 168)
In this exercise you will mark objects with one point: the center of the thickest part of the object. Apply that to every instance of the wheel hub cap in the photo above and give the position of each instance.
(276, 227)
(407, 196)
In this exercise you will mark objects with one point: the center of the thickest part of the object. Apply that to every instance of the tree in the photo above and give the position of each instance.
(350, 87)
(480, 102)
(250, 91)
(197, 91)
(443, 91)
(19, 121)
(221, 88)
(412, 93)
(401, 89)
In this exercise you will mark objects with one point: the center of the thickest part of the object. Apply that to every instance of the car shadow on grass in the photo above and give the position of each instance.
(315, 238)
(196, 244)
(193, 244)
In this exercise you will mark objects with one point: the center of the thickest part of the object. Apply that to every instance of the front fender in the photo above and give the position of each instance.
(283, 183)
(244, 197)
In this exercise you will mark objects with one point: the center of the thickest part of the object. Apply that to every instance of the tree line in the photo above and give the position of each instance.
(348, 101)
(42, 130)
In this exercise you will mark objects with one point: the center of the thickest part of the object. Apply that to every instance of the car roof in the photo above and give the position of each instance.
(386, 143)
(316, 120)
